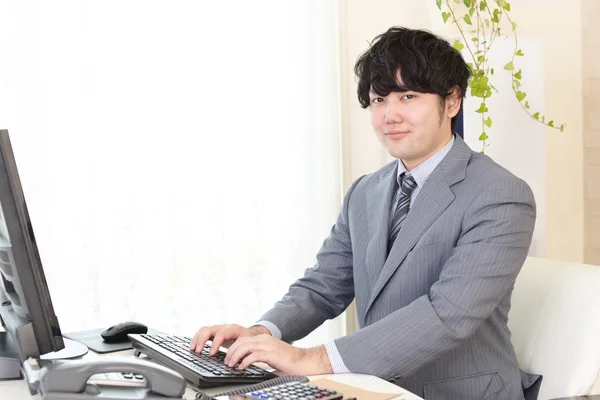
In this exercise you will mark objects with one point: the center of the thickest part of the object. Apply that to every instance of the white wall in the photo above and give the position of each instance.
(559, 26)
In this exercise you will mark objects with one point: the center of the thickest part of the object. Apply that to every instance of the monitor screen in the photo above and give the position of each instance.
(26, 311)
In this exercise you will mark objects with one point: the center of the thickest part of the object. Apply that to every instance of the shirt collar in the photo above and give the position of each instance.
(422, 171)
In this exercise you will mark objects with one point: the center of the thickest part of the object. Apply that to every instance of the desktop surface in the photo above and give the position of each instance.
(18, 390)
(591, 397)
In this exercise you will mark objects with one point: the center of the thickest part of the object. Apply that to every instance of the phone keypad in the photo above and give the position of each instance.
(118, 379)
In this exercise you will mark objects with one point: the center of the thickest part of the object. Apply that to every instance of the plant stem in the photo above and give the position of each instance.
(514, 88)
(512, 60)
(480, 22)
(462, 34)
(492, 37)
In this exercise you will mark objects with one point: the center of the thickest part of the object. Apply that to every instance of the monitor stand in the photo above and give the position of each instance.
(10, 362)
(73, 349)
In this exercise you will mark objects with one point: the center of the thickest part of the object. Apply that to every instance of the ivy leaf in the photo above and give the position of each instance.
(458, 45)
(562, 128)
(506, 6)
(487, 23)
(439, 4)
(479, 86)
(488, 122)
(514, 26)
(483, 136)
(471, 12)
(482, 5)
(482, 109)
(475, 38)
(527, 105)
(518, 75)
(467, 3)
(551, 124)
(495, 17)
(480, 58)
(492, 71)
(521, 95)
(509, 66)
(519, 53)
(536, 115)
(494, 87)
(445, 16)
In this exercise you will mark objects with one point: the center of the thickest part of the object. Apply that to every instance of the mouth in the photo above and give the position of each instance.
(395, 134)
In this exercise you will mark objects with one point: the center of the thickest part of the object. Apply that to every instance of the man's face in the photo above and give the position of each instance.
(412, 125)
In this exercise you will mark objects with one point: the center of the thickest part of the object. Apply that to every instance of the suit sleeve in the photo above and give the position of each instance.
(497, 230)
(325, 291)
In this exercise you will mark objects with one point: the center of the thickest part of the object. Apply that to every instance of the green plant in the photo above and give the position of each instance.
(481, 20)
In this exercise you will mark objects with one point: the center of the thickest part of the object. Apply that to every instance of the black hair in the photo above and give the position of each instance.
(427, 64)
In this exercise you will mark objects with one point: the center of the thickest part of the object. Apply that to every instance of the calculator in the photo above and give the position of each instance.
(288, 391)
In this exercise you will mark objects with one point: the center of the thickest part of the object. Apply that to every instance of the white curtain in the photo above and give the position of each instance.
(180, 159)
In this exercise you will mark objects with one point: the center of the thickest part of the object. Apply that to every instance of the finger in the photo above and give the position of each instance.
(194, 340)
(197, 337)
(240, 349)
(232, 349)
(229, 333)
(239, 355)
(202, 336)
(257, 356)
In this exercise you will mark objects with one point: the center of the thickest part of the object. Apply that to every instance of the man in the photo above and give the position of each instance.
(433, 284)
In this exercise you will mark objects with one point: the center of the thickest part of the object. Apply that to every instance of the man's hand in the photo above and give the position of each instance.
(279, 355)
(223, 335)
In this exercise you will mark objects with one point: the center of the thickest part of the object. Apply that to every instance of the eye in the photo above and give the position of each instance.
(409, 96)
(376, 100)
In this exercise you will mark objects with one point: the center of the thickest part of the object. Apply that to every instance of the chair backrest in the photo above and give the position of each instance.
(555, 325)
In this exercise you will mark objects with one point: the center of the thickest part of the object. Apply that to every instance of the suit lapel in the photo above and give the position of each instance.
(433, 199)
(379, 200)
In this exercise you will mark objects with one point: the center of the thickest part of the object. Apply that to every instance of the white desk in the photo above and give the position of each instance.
(17, 390)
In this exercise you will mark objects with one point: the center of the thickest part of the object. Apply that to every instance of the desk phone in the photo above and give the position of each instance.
(118, 378)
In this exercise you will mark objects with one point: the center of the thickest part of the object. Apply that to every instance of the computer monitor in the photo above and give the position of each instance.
(26, 311)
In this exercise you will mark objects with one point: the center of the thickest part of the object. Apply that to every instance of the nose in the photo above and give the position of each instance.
(393, 112)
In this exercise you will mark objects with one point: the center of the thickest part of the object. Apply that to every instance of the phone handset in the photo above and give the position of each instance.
(72, 376)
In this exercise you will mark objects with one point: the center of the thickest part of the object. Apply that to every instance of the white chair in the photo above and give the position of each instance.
(555, 325)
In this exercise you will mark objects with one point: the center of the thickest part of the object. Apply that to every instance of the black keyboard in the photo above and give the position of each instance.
(201, 370)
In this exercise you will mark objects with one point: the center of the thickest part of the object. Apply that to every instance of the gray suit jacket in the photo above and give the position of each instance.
(433, 313)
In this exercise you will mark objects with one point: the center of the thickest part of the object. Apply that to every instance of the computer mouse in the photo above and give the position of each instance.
(119, 332)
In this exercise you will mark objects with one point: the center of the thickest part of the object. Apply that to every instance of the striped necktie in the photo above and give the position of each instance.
(407, 185)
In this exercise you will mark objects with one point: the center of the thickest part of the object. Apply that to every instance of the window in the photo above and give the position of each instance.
(181, 160)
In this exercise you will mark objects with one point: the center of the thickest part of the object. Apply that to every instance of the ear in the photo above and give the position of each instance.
(453, 101)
